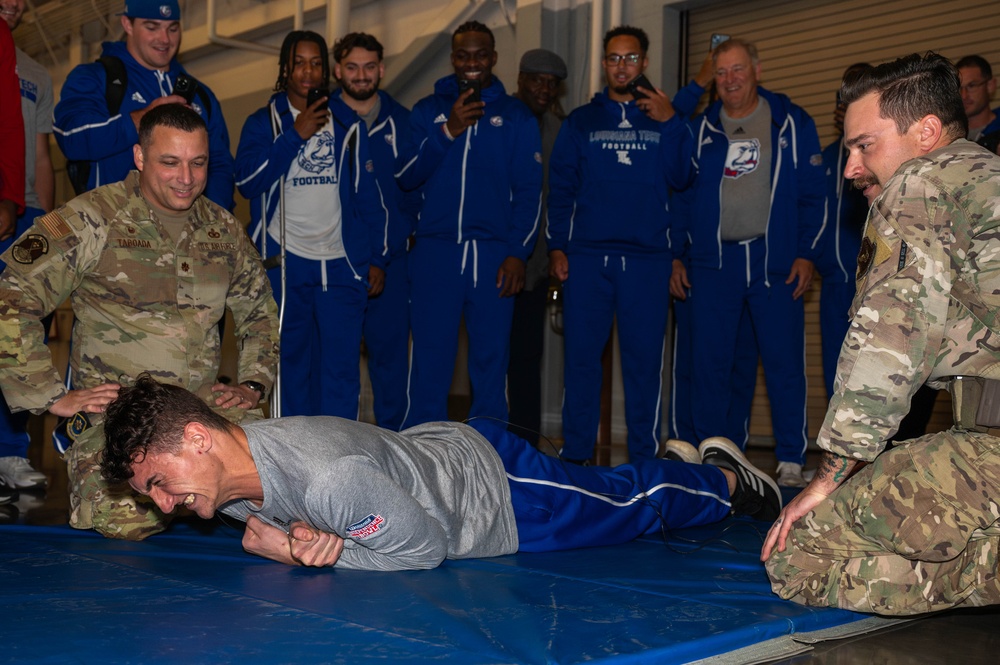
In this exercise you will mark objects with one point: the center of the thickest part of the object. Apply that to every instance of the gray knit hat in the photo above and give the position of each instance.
(540, 61)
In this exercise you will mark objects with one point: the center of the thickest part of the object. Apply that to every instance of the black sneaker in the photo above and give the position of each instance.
(756, 495)
(7, 494)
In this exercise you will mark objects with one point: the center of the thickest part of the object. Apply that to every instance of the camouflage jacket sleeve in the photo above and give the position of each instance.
(43, 268)
(255, 314)
(906, 267)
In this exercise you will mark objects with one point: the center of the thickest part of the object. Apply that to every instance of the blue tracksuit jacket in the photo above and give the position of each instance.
(488, 185)
(85, 132)
(261, 160)
(609, 179)
(796, 216)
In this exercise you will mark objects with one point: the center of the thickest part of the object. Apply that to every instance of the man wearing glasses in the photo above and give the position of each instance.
(978, 86)
(613, 253)
(753, 217)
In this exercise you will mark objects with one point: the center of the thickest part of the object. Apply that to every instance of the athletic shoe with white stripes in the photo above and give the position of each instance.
(681, 451)
(756, 494)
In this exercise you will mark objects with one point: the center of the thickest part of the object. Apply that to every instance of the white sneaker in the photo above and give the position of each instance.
(680, 451)
(790, 475)
(17, 472)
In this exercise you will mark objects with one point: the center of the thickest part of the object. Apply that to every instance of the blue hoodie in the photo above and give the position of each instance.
(484, 185)
(262, 159)
(609, 179)
(386, 135)
(84, 131)
(798, 186)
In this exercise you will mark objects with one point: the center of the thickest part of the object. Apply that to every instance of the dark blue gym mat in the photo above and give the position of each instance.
(192, 595)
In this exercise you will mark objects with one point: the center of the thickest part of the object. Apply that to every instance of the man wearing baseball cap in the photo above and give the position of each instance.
(97, 124)
(539, 85)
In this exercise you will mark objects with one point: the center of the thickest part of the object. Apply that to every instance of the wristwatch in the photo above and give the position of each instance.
(257, 387)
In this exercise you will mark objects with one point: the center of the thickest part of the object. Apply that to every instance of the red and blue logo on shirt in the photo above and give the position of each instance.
(366, 527)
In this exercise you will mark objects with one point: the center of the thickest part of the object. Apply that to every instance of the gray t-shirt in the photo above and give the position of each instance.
(401, 500)
(746, 181)
(36, 108)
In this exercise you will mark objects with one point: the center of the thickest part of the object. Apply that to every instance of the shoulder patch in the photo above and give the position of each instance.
(874, 251)
(33, 246)
(365, 527)
(54, 225)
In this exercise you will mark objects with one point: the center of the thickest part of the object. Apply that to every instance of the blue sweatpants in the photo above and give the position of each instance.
(320, 335)
(387, 337)
(561, 506)
(635, 291)
(14, 438)
(449, 281)
(681, 421)
(719, 298)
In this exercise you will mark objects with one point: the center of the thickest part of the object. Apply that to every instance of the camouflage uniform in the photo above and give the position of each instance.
(142, 301)
(916, 529)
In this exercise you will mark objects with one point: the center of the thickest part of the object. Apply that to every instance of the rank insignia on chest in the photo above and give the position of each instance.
(29, 249)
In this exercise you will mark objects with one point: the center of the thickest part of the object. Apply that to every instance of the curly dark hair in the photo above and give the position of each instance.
(285, 60)
(627, 31)
(150, 417)
(353, 40)
(910, 88)
(474, 26)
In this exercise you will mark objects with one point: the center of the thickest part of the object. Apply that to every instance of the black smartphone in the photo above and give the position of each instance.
(470, 84)
(717, 39)
(639, 81)
(317, 94)
(185, 87)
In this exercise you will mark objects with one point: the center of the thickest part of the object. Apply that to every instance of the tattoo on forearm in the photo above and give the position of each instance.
(834, 468)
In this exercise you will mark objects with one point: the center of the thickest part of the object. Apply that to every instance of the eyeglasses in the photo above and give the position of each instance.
(971, 87)
(615, 59)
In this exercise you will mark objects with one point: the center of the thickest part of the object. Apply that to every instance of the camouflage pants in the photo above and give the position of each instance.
(915, 531)
(112, 510)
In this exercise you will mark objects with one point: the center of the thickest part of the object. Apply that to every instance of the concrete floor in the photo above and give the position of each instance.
(970, 637)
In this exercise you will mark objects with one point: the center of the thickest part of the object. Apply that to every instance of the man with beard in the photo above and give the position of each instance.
(475, 152)
(978, 86)
(359, 68)
(304, 166)
(915, 530)
(613, 254)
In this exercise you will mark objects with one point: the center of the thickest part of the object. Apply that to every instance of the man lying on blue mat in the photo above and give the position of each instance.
(321, 490)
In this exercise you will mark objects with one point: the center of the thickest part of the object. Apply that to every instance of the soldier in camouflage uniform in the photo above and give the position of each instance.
(916, 529)
(149, 266)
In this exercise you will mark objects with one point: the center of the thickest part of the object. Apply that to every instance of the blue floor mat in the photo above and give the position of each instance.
(192, 595)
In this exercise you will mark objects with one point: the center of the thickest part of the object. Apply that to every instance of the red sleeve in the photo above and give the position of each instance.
(11, 123)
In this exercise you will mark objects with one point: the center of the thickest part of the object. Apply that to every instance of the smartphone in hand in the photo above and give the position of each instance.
(315, 94)
(471, 84)
(717, 39)
(639, 81)
(186, 87)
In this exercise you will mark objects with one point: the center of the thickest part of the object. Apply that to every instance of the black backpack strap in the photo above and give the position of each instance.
(116, 82)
